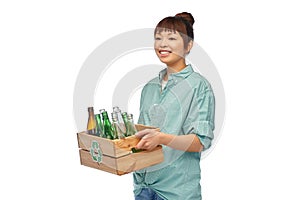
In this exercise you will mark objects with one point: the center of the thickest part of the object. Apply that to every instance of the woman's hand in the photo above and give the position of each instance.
(150, 138)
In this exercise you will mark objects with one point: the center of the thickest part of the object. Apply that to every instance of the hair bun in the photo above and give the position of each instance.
(187, 16)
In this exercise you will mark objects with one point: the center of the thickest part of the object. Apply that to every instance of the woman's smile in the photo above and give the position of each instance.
(164, 53)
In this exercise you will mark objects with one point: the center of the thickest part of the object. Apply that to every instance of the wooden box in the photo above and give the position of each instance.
(115, 156)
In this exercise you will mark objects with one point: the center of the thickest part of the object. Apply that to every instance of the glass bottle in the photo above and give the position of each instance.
(125, 119)
(91, 125)
(117, 110)
(99, 125)
(131, 125)
(107, 128)
(118, 134)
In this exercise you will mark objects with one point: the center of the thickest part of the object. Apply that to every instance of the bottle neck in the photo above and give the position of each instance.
(124, 116)
(91, 111)
(106, 121)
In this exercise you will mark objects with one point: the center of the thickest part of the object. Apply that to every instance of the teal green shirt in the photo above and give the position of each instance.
(185, 106)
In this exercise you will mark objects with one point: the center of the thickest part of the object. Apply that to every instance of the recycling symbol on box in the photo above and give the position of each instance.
(96, 152)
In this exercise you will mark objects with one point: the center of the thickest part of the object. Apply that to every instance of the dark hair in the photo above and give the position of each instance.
(181, 22)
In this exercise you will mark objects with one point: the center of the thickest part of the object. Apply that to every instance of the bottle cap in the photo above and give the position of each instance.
(104, 113)
(124, 114)
(116, 109)
(130, 116)
(101, 110)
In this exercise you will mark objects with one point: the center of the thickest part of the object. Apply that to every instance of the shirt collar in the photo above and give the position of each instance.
(185, 72)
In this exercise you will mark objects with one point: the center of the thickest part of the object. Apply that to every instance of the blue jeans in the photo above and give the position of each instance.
(147, 194)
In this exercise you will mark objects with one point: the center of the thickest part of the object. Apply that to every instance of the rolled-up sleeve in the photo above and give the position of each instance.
(200, 117)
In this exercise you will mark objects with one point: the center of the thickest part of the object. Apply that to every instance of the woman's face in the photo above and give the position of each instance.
(169, 48)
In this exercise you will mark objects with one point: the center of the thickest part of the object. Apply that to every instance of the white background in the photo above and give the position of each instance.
(254, 45)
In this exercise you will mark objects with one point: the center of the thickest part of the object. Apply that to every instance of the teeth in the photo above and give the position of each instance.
(164, 52)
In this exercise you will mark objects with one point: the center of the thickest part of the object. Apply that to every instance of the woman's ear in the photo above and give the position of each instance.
(189, 47)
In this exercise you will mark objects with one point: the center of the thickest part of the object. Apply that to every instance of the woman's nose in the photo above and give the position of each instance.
(163, 43)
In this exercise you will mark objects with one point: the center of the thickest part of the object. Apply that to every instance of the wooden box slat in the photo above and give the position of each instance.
(125, 164)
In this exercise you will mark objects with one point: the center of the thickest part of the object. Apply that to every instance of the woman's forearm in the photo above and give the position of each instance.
(190, 142)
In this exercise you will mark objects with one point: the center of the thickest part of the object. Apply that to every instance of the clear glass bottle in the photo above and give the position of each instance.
(91, 125)
(118, 134)
(131, 125)
(117, 110)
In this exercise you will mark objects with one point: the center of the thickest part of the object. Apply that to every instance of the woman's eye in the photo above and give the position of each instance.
(157, 38)
(172, 38)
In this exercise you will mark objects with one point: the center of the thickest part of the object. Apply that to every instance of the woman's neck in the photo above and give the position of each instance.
(174, 69)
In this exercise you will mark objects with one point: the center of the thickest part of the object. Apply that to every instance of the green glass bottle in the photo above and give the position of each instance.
(99, 125)
(125, 119)
(107, 128)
